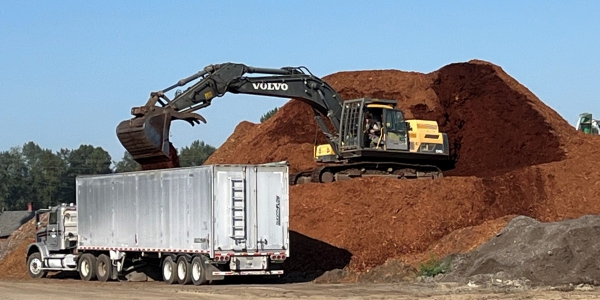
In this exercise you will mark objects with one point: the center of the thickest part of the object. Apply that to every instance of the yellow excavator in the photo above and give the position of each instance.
(371, 137)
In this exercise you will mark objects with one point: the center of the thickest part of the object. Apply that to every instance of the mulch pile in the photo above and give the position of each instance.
(13, 257)
(514, 156)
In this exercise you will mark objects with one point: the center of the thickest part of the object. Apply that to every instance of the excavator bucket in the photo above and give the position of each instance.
(146, 138)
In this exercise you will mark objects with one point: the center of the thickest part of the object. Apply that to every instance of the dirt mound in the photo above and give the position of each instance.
(494, 124)
(514, 156)
(460, 241)
(377, 220)
(288, 135)
(558, 253)
(13, 256)
(14, 265)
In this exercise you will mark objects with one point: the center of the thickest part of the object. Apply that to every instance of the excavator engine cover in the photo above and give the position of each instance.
(146, 138)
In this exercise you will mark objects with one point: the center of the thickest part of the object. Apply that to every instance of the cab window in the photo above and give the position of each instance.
(394, 120)
(53, 218)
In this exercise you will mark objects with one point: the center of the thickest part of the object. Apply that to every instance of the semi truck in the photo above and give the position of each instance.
(194, 224)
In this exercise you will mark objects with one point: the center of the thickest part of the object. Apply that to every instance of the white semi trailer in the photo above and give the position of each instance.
(196, 224)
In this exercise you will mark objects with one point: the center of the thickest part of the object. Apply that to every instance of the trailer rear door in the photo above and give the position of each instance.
(250, 208)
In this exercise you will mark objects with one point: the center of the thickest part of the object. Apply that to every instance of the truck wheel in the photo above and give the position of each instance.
(34, 266)
(168, 270)
(198, 271)
(87, 267)
(184, 272)
(104, 268)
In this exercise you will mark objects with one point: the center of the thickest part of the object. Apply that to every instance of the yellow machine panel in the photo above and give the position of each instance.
(323, 150)
(424, 134)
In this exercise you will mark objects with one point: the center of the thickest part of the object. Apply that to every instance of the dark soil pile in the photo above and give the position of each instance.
(557, 253)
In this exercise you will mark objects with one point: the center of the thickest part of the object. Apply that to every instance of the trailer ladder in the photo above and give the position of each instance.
(238, 211)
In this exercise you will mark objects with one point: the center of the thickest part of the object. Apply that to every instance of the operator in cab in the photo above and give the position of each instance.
(372, 131)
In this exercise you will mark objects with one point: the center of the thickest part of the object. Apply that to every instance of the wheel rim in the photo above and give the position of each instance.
(181, 271)
(196, 271)
(35, 266)
(167, 271)
(85, 268)
(101, 271)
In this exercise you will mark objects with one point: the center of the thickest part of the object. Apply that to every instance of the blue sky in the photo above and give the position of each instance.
(72, 70)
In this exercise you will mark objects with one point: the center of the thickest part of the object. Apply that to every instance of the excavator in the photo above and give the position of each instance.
(398, 148)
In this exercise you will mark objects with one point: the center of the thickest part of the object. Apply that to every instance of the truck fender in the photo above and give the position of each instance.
(38, 247)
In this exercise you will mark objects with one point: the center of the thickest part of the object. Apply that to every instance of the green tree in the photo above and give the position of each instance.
(127, 164)
(269, 114)
(88, 159)
(14, 185)
(85, 160)
(46, 172)
(196, 154)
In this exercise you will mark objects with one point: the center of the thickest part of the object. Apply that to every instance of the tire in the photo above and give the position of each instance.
(184, 270)
(104, 268)
(34, 264)
(87, 267)
(198, 271)
(168, 270)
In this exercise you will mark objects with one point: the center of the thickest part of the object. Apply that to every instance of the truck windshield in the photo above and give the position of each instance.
(53, 218)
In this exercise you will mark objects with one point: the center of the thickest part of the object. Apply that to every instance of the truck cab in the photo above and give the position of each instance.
(55, 241)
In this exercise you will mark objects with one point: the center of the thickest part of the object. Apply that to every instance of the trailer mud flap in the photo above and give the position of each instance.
(212, 273)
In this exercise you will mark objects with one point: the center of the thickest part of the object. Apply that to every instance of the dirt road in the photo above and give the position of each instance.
(75, 289)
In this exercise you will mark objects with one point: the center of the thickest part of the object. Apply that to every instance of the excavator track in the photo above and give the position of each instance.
(348, 171)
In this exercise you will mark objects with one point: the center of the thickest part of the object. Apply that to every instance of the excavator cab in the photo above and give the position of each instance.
(396, 133)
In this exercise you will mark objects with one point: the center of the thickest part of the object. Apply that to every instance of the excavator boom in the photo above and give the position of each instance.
(146, 135)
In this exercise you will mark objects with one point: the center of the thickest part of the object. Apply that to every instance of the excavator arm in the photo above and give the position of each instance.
(146, 136)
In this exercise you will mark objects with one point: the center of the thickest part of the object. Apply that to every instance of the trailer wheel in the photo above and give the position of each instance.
(34, 266)
(184, 270)
(87, 267)
(198, 270)
(168, 270)
(104, 268)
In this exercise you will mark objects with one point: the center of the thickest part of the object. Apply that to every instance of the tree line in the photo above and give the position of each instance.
(30, 173)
